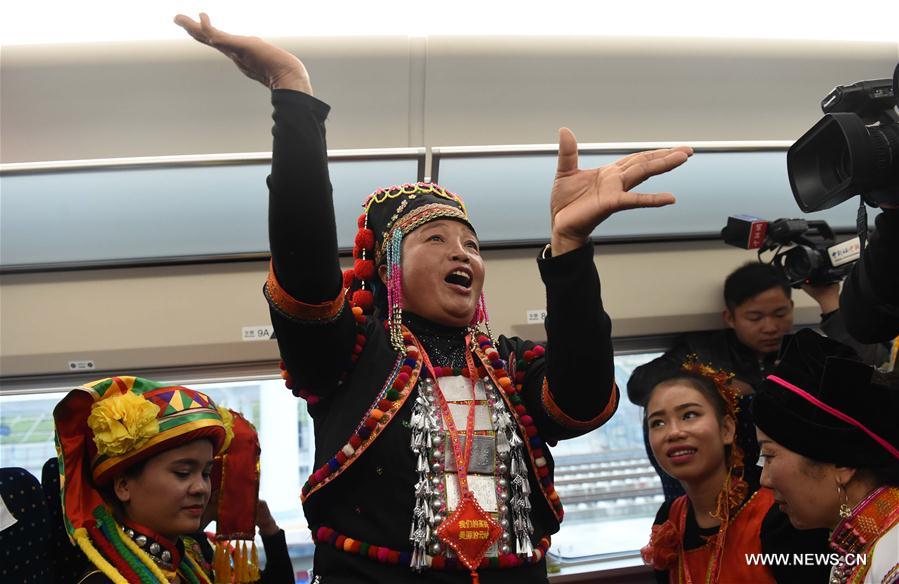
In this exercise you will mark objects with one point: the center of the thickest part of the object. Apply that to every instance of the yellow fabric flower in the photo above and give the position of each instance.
(228, 423)
(122, 423)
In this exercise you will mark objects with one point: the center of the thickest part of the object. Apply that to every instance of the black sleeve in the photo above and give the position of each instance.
(662, 514)
(301, 227)
(870, 297)
(647, 376)
(313, 324)
(278, 568)
(834, 326)
(778, 536)
(579, 393)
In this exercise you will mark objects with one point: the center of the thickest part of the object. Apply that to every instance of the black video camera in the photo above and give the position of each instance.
(813, 257)
(852, 150)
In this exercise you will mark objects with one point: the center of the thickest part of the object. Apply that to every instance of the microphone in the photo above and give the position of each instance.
(745, 231)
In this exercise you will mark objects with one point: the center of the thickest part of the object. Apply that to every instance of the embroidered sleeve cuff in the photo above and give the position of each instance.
(296, 310)
(566, 421)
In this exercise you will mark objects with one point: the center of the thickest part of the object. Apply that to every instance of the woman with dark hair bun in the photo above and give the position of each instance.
(828, 429)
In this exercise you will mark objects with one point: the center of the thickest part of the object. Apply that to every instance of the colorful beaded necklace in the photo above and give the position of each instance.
(122, 560)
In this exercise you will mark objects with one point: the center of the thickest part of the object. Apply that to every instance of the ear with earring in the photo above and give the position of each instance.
(845, 509)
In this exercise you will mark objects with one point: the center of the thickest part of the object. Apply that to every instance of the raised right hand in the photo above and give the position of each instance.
(270, 65)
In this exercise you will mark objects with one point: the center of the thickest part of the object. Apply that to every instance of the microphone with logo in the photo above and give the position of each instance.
(812, 255)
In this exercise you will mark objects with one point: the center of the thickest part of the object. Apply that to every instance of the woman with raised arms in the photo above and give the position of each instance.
(431, 436)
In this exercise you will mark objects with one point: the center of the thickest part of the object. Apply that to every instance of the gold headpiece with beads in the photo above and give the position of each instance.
(389, 215)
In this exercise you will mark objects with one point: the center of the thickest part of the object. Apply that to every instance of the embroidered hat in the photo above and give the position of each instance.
(235, 478)
(104, 428)
(822, 403)
(107, 426)
(389, 215)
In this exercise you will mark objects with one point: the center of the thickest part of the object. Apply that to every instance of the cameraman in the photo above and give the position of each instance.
(870, 298)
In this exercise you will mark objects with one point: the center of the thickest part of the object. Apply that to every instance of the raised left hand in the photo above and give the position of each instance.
(269, 65)
(582, 199)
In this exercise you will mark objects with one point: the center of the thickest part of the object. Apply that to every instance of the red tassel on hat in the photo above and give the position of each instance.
(365, 239)
(348, 276)
(363, 299)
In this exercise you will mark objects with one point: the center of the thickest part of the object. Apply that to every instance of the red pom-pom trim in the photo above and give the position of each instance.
(363, 299)
(364, 269)
(365, 239)
(360, 222)
(348, 276)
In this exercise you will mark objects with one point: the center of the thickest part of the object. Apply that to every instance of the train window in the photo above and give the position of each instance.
(26, 430)
(90, 194)
(752, 176)
(609, 489)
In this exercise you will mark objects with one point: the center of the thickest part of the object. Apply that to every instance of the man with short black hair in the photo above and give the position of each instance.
(758, 313)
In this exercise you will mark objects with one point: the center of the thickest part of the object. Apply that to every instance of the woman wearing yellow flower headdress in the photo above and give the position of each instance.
(134, 459)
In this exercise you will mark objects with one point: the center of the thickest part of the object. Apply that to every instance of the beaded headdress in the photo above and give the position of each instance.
(389, 215)
(101, 430)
